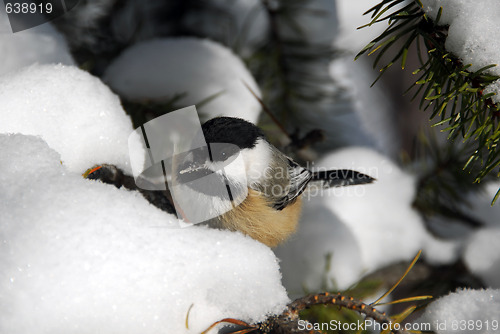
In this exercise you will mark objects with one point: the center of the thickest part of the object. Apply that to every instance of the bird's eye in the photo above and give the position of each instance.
(223, 155)
(222, 151)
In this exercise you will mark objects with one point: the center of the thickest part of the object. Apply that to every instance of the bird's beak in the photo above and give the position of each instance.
(192, 167)
(192, 171)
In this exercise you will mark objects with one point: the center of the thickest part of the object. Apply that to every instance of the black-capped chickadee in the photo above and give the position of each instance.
(264, 186)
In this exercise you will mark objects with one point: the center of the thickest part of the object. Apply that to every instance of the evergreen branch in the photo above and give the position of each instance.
(452, 92)
(288, 320)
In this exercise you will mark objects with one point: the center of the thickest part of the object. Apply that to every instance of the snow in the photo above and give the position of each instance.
(372, 110)
(42, 44)
(363, 228)
(351, 17)
(481, 207)
(79, 256)
(74, 112)
(329, 108)
(477, 247)
(364, 209)
(324, 254)
(163, 68)
(477, 310)
(372, 106)
(494, 88)
(478, 207)
(482, 255)
(473, 31)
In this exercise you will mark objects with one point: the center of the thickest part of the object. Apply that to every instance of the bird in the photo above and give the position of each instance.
(241, 182)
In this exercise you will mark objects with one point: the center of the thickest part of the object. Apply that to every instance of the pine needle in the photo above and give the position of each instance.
(187, 315)
(400, 280)
(400, 317)
(231, 321)
(406, 300)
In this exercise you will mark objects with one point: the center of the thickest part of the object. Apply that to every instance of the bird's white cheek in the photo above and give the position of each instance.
(234, 170)
(257, 161)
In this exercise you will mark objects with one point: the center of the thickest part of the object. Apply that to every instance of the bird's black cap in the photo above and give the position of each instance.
(231, 130)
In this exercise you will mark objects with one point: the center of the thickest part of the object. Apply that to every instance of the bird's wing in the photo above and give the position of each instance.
(299, 178)
(339, 178)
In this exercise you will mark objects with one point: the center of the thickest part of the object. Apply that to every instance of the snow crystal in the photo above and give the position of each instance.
(482, 255)
(494, 88)
(464, 311)
(74, 112)
(78, 256)
(42, 44)
(201, 69)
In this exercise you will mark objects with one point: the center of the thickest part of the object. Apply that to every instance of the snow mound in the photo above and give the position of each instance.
(379, 214)
(200, 69)
(323, 254)
(465, 311)
(78, 256)
(482, 255)
(74, 112)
